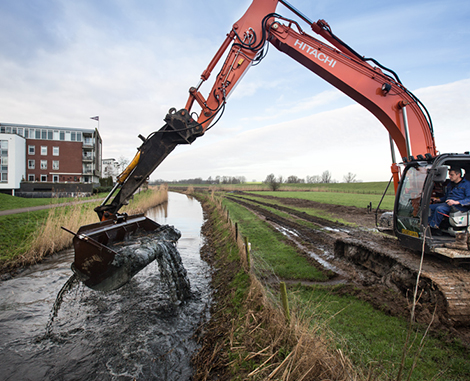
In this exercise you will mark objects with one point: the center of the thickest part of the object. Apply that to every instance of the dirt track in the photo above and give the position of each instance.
(374, 266)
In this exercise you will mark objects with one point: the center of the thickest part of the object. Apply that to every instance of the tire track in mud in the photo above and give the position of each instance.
(314, 244)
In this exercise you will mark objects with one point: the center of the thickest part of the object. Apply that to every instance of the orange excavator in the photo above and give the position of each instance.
(363, 79)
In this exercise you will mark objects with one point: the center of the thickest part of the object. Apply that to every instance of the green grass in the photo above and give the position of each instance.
(269, 247)
(310, 211)
(370, 336)
(11, 202)
(377, 187)
(8, 202)
(17, 232)
(347, 199)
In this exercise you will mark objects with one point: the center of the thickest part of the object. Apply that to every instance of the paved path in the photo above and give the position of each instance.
(40, 207)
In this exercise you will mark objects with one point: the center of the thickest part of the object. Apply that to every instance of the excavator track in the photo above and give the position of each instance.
(380, 260)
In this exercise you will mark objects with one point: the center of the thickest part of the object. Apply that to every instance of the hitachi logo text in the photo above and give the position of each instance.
(314, 52)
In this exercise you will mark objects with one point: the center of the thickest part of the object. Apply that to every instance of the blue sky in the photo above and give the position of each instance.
(129, 62)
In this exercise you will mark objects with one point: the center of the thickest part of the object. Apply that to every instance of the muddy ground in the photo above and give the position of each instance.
(391, 292)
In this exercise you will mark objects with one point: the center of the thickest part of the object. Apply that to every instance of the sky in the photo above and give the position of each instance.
(129, 62)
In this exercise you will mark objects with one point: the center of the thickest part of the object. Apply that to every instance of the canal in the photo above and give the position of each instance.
(135, 332)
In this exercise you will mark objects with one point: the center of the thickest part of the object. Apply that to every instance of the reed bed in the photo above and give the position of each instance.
(50, 237)
(147, 200)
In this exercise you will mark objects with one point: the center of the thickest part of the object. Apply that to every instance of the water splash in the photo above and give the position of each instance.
(71, 282)
(132, 256)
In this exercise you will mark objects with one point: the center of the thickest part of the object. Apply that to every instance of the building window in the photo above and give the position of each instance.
(56, 135)
(31, 164)
(4, 161)
(67, 136)
(55, 178)
(55, 164)
(43, 134)
(31, 150)
(37, 133)
(43, 164)
(43, 178)
(62, 135)
(43, 150)
(55, 151)
(73, 136)
(79, 136)
(30, 177)
(49, 134)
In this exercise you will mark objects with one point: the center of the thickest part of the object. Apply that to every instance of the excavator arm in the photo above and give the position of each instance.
(382, 93)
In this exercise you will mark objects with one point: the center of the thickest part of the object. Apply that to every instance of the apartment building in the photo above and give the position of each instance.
(49, 155)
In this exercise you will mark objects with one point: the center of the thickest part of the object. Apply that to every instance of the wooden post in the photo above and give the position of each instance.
(285, 303)
(247, 250)
(236, 231)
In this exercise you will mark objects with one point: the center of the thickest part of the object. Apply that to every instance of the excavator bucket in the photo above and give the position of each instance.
(95, 250)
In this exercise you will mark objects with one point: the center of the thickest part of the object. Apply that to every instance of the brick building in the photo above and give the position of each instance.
(50, 155)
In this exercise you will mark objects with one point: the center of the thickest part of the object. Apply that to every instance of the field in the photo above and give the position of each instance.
(367, 324)
(377, 188)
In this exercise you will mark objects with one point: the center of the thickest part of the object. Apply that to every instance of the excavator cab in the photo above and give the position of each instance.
(421, 180)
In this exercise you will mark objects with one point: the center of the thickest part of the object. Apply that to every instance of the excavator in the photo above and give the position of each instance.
(416, 177)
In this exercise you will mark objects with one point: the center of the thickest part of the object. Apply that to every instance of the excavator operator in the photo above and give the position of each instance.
(457, 196)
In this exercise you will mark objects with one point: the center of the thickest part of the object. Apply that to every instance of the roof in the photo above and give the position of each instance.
(87, 130)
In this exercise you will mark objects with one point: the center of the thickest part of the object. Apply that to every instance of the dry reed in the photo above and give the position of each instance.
(147, 200)
(190, 190)
(50, 237)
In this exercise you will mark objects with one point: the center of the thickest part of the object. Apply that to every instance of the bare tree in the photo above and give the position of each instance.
(292, 180)
(326, 177)
(123, 162)
(350, 178)
(313, 179)
(272, 182)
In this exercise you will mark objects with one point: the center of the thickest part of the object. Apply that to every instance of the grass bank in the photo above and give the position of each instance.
(369, 341)
(8, 202)
(248, 336)
(26, 238)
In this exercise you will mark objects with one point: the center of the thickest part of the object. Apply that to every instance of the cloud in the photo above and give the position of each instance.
(348, 139)
(129, 62)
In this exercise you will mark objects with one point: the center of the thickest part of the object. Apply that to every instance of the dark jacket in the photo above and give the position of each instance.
(458, 192)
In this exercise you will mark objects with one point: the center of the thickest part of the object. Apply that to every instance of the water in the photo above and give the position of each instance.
(136, 332)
